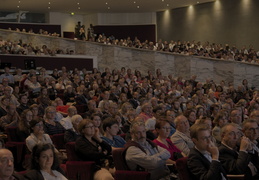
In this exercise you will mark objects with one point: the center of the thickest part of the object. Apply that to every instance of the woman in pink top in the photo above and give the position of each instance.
(163, 129)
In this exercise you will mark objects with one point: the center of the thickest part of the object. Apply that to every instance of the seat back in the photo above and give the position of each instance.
(119, 159)
(81, 109)
(11, 134)
(58, 141)
(182, 168)
(71, 152)
(129, 175)
(80, 170)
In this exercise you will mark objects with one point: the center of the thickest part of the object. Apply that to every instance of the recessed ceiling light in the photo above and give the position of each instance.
(167, 5)
(134, 2)
(79, 8)
(106, 3)
(18, 6)
(198, 2)
(48, 7)
(109, 8)
(138, 7)
(78, 3)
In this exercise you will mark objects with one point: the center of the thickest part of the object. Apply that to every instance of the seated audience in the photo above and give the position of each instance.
(52, 127)
(61, 107)
(143, 155)
(8, 94)
(90, 147)
(219, 121)
(181, 138)
(203, 160)
(3, 104)
(72, 134)
(37, 135)
(236, 160)
(23, 128)
(111, 129)
(163, 130)
(97, 122)
(44, 164)
(10, 119)
(7, 166)
(23, 99)
(66, 122)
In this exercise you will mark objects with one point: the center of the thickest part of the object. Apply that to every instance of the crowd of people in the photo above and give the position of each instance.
(156, 118)
(192, 48)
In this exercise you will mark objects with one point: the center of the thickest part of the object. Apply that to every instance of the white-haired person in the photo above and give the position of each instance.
(72, 134)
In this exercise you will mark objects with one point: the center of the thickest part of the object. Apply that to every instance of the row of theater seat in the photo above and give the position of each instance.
(74, 168)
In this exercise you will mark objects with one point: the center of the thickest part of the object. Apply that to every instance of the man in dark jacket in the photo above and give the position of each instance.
(203, 160)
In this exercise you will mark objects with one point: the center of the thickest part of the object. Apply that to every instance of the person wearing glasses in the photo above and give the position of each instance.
(37, 135)
(142, 154)
(251, 131)
(90, 147)
(163, 129)
(236, 160)
(203, 160)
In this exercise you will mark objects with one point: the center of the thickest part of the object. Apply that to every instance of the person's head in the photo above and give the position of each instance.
(75, 120)
(8, 91)
(255, 115)
(111, 126)
(36, 126)
(6, 164)
(11, 109)
(86, 127)
(59, 102)
(44, 157)
(26, 116)
(201, 136)
(205, 120)
(182, 124)
(191, 115)
(147, 108)
(91, 105)
(71, 111)
(97, 119)
(34, 109)
(138, 131)
(170, 116)
(5, 101)
(230, 135)
(125, 107)
(236, 116)
(150, 124)
(50, 113)
(221, 119)
(251, 129)
(163, 128)
(113, 108)
(106, 95)
(23, 99)
(214, 108)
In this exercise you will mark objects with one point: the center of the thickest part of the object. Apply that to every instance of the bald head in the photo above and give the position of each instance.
(6, 164)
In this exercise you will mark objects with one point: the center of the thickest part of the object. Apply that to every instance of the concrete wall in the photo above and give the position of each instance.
(235, 22)
(116, 57)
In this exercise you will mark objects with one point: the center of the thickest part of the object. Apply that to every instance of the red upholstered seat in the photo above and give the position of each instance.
(182, 168)
(17, 148)
(131, 175)
(58, 141)
(122, 170)
(76, 169)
